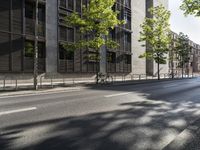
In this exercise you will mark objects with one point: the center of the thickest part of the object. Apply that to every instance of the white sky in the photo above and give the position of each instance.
(189, 25)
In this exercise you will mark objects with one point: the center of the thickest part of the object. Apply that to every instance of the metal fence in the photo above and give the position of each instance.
(50, 81)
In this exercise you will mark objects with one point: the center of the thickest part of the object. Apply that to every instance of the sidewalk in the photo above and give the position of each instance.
(75, 87)
(23, 84)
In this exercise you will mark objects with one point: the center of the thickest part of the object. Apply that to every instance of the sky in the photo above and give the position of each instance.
(189, 25)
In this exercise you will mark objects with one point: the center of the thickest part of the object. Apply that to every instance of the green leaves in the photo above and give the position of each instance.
(155, 33)
(111, 44)
(183, 48)
(97, 19)
(191, 7)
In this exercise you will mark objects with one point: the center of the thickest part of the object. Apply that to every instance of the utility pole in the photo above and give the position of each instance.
(36, 48)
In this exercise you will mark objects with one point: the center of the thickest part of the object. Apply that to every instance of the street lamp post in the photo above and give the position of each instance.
(36, 48)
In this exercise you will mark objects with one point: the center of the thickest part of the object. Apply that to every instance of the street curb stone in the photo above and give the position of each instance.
(62, 89)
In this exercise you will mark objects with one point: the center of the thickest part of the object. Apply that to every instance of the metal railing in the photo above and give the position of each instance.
(15, 83)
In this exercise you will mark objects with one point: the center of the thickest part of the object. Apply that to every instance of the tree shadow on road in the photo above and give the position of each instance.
(137, 125)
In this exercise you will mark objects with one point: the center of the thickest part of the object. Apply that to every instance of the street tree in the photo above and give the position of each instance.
(191, 7)
(97, 20)
(156, 36)
(183, 49)
(172, 53)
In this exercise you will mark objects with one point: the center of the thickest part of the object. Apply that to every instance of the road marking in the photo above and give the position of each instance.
(42, 93)
(17, 111)
(170, 85)
(119, 94)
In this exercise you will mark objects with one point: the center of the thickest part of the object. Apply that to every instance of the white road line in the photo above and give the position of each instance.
(170, 85)
(42, 93)
(17, 111)
(119, 94)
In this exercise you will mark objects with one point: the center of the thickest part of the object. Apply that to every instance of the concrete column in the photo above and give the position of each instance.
(51, 36)
(103, 60)
(149, 63)
(138, 15)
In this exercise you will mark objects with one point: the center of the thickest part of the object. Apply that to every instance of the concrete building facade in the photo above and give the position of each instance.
(193, 65)
(17, 39)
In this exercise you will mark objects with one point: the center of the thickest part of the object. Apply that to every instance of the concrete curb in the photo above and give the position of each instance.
(82, 86)
(136, 82)
(39, 92)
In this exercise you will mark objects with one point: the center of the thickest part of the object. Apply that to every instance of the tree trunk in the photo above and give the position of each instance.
(182, 69)
(35, 72)
(158, 70)
(172, 64)
(188, 66)
(97, 71)
(172, 70)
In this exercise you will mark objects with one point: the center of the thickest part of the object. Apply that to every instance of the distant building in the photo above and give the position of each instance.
(194, 58)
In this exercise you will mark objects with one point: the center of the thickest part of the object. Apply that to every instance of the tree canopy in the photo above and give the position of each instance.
(183, 49)
(191, 7)
(155, 33)
(95, 23)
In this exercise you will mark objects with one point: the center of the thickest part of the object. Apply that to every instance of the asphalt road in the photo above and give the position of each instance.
(129, 117)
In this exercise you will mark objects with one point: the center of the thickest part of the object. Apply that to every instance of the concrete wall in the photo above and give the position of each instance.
(149, 63)
(51, 36)
(138, 15)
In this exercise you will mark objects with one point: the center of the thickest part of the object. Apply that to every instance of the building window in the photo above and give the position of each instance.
(78, 35)
(29, 49)
(127, 3)
(63, 3)
(84, 2)
(29, 10)
(41, 50)
(69, 55)
(92, 57)
(30, 19)
(78, 6)
(65, 54)
(111, 57)
(127, 18)
(61, 52)
(70, 4)
(63, 33)
(112, 35)
(70, 34)
(127, 38)
(41, 13)
(127, 59)
(67, 34)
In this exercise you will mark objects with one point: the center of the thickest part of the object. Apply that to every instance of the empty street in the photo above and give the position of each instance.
(126, 117)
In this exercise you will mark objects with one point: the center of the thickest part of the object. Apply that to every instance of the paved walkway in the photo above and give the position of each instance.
(24, 85)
